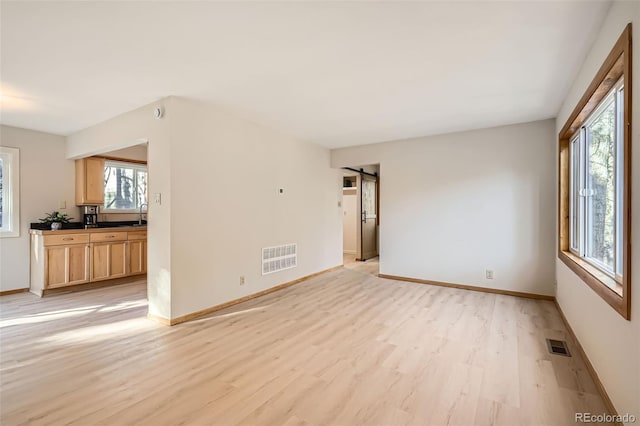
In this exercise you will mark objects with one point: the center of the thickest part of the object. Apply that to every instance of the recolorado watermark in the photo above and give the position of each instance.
(604, 418)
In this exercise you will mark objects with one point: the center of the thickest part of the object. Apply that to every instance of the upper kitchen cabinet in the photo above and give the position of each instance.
(90, 181)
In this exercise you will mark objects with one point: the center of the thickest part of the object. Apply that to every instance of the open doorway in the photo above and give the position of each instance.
(360, 195)
(108, 246)
(124, 207)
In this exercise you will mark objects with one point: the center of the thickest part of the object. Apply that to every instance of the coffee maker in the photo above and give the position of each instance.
(90, 217)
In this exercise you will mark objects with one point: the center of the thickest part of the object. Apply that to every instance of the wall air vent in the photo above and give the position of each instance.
(279, 258)
(558, 347)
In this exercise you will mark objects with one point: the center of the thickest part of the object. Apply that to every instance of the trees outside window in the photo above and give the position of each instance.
(595, 204)
(125, 186)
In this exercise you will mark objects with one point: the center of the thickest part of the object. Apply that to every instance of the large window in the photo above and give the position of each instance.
(596, 182)
(9, 187)
(594, 188)
(125, 187)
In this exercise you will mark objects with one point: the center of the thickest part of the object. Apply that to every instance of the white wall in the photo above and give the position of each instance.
(611, 343)
(226, 207)
(219, 175)
(453, 205)
(46, 178)
(349, 220)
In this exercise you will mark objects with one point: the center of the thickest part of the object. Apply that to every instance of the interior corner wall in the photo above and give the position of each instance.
(611, 342)
(226, 207)
(46, 179)
(132, 128)
(454, 205)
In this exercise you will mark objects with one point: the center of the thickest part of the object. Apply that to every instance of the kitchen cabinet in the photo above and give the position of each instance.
(137, 252)
(90, 181)
(69, 257)
(108, 260)
(108, 255)
(60, 260)
(66, 265)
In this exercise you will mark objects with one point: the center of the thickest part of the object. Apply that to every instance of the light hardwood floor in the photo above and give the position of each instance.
(370, 266)
(343, 348)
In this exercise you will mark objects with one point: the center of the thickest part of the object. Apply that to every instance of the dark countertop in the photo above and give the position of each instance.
(101, 225)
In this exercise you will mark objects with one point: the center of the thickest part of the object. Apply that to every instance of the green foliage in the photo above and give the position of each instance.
(602, 179)
(55, 217)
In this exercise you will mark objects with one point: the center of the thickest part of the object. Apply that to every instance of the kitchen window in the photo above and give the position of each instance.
(9, 195)
(594, 214)
(125, 187)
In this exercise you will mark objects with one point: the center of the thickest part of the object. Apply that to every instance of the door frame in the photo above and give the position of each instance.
(361, 174)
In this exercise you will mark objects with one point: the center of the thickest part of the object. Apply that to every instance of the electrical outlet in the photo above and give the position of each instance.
(489, 274)
(62, 204)
(242, 280)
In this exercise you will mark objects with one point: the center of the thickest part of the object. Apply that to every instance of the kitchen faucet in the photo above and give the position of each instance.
(140, 219)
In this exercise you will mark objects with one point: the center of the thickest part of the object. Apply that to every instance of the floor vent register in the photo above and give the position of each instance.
(558, 347)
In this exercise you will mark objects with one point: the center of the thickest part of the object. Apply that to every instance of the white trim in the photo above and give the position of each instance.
(574, 194)
(11, 188)
(125, 164)
(619, 193)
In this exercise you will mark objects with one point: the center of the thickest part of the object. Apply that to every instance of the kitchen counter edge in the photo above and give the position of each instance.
(87, 231)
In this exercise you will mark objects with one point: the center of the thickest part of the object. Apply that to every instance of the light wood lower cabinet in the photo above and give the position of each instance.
(109, 260)
(60, 260)
(66, 265)
(137, 257)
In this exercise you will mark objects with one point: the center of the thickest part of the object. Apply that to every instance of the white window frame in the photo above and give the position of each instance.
(579, 214)
(11, 192)
(619, 192)
(125, 164)
(576, 205)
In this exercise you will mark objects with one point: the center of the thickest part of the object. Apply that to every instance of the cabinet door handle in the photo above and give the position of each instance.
(67, 239)
(110, 236)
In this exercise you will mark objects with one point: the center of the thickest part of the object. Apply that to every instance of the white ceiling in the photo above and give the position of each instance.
(335, 73)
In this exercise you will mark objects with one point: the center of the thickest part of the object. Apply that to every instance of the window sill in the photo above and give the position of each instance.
(122, 211)
(600, 282)
(9, 234)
